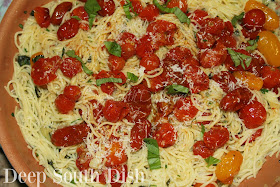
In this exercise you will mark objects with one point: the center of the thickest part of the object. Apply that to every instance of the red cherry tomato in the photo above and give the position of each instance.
(43, 71)
(68, 30)
(72, 92)
(196, 79)
(216, 137)
(107, 87)
(70, 67)
(128, 44)
(71, 135)
(252, 34)
(165, 135)
(107, 7)
(199, 148)
(149, 13)
(146, 45)
(231, 66)
(225, 80)
(138, 94)
(164, 108)
(117, 178)
(156, 84)
(184, 109)
(137, 6)
(83, 159)
(59, 12)
(213, 57)
(150, 62)
(228, 30)
(178, 54)
(138, 111)
(80, 12)
(254, 19)
(199, 16)
(139, 131)
(182, 4)
(116, 63)
(205, 40)
(253, 115)
(64, 104)
(116, 155)
(115, 110)
(119, 74)
(213, 25)
(97, 109)
(42, 16)
(271, 77)
(254, 136)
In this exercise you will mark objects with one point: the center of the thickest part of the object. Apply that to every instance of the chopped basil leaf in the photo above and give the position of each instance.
(163, 8)
(38, 92)
(175, 88)
(91, 19)
(47, 30)
(238, 58)
(253, 43)
(105, 80)
(13, 114)
(153, 153)
(71, 53)
(264, 90)
(202, 130)
(235, 19)
(211, 161)
(183, 18)
(36, 58)
(92, 7)
(126, 8)
(23, 60)
(76, 17)
(113, 48)
(132, 77)
(20, 26)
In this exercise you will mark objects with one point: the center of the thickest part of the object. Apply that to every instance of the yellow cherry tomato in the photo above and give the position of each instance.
(229, 167)
(254, 82)
(272, 19)
(269, 46)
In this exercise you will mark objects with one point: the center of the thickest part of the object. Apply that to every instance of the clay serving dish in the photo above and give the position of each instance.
(11, 138)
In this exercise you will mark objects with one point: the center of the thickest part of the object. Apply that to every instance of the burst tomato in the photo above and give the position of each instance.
(254, 19)
(97, 109)
(225, 79)
(254, 82)
(182, 4)
(271, 77)
(83, 159)
(80, 12)
(115, 110)
(42, 16)
(205, 40)
(116, 155)
(184, 109)
(108, 87)
(149, 13)
(107, 7)
(139, 131)
(63, 104)
(199, 16)
(59, 12)
(199, 148)
(216, 137)
(128, 43)
(165, 135)
(68, 30)
(116, 63)
(72, 92)
(70, 67)
(150, 62)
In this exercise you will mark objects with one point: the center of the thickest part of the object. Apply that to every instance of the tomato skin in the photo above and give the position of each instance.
(164, 108)
(72, 92)
(213, 26)
(146, 45)
(80, 12)
(137, 6)
(43, 71)
(63, 104)
(216, 137)
(68, 30)
(138, 94)
(199, 148)
(97, 109)
(205, 40)
(115, 111)
(156, 84)
(199, 16)
(150, 62)
(269, 46)
(71, 135)
(165, 135)
(236, 99)
(253, 115)
(149, 13)
(178, 54)
(120, 75)
(128, 44)
(70, 67)
(182, 4)
(83, 159)
(42, 16)
(140, 130)
(184, 109)
(224, 78)
(116, 155)
(271, 77)
(59, 12)
(254, 19)
(229, 166)
(116, 63)
(107, 7)
(254, 82)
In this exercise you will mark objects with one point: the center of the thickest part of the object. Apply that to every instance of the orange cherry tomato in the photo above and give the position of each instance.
(116, 155)
(269, 46)
(229, 167)
(254, 82)
(272, 19)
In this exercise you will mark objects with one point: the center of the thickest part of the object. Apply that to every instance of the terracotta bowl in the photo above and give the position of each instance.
(11, 138)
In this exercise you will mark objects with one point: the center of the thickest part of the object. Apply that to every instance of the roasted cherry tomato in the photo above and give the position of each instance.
(272, 19)
(225, 79)
(147, 45)
(120, 75)
(64, 104)
(138, 94)
(107, 7)
(116, 63)
(71, 135)
(80, 12)
(97, 109)
(140, 130)
(165, 135)
(68, 30)
(182, 4)
(72, 92)
(184, 109)
(42, 16)
(138, 111)
(59, 12)
(149, 13)
(43, 71)
(128, 43)
(213, 25)
(253, 115)
(236, 99)
(115, 175)
(199, 16)
(269, 46)
(156, 84)
(108, 87)
(116, 155)
(150, 62)
(216, 137)
(70, 67)
(178, 54)
(199, 148)
(254, 136)
(229, 167)
(205, 40)
(254, 82)
(115, 110)
(83, 159)
(271, 77)
(164, 108)
(254, 19)
(137, 6)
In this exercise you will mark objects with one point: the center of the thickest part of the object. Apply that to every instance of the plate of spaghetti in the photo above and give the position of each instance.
(144, 93)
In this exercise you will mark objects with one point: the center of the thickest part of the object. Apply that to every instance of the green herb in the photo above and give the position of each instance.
(163, 8)
(264, 90)
(165, 166)
(238, 58)
(50, 162)
(153, 153)
(73, 182)
(23, 60)
(76, 17)
(48, 30)
(63, 52)
(168, 182)
(91, 7)
(37, 92)
(36, 58)
(175, 88)
(25, 50)
(202, 130)
(20, 26)
(253, 43)
(105, 80)
(211, 161)
(89, 81)
(91, 19)
(132, 77)
(126, 8)
(13, 114)
(32, 13)
(71, 53)
(113, 48)
(235, 19)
